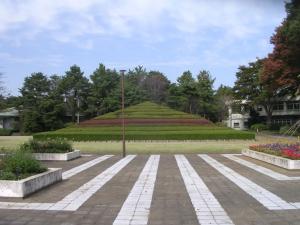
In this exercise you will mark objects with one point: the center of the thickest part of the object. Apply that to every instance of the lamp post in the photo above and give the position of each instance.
(123, 116)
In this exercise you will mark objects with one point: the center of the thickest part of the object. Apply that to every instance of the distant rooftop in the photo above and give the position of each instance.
(9, 112)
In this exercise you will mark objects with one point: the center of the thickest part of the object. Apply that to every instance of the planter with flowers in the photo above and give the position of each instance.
(283, 155)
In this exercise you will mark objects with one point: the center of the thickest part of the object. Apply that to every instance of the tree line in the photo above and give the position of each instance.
(266, 80)
(47, 102)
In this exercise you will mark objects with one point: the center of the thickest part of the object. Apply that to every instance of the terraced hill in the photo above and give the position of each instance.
(148, 113)
(147, 121)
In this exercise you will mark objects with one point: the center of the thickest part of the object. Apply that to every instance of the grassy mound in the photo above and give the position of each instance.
(148, 110)
(146, 121)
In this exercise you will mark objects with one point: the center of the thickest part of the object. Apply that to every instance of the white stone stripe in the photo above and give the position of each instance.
(207, 207)
(136, 207)
(69, 173)
(78, 197)
(260, 169)
(263, 196)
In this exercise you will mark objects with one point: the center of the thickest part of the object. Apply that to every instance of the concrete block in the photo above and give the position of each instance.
(29, 185)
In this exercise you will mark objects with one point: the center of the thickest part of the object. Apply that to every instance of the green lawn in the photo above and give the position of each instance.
(138, 132)
(156, 147)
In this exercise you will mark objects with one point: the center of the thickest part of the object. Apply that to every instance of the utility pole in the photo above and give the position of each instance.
(123, 116)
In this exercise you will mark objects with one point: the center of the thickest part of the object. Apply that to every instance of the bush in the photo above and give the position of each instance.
(142, 135)
(259, 127)
(220, 124)
(284, 129)
(19, 165)
(47, 146)
(5, 132)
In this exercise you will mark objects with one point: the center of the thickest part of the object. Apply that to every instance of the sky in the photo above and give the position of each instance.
(171, 36)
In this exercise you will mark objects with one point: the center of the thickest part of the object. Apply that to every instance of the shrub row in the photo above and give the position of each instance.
(85, 136)
(47, 146)
(5, 132)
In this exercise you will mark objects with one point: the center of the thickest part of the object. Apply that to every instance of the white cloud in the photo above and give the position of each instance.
(53, 60)
(69, 20)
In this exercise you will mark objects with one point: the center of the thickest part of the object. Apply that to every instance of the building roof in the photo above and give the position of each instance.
(9, 112)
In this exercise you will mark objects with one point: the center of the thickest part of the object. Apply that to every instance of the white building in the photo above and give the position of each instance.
(9, 118)
(285, 112)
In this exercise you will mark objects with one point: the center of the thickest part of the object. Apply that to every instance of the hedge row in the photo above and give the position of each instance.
(149, 128)
(5, 132)
(84, 136)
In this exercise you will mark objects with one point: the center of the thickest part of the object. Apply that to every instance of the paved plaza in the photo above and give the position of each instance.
(162, 189)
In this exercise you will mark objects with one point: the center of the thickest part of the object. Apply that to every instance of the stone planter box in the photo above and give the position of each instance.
(24, 187)
(57, 156)
(272, 159)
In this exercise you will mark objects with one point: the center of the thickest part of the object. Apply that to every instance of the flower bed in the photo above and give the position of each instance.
(290, 151)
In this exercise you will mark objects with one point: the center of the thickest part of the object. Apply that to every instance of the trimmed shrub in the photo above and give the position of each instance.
(19, 165)
(259, 127)
(47, 146)
(140, 135)
(5, 132)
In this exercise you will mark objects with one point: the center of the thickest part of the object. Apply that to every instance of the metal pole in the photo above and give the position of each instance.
(78, 113)
(123, 116)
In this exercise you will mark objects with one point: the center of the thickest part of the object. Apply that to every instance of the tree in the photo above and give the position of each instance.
(175, 99)
(188, 89)
(251, 88)
(223, 97)
(155, 85)
(1, 85)
(2, 104)
(206, 100)
(42, 105)
(282, 66)
(104, 83)
(134, 86)
(76, 89)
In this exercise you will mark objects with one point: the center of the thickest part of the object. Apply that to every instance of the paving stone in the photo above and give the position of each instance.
(170, 201)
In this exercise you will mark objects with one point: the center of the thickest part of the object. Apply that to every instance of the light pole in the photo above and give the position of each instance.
(123, 116)
(78, 112)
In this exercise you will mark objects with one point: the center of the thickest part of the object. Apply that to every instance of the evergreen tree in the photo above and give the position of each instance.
(42, 105)
(76, 89)
(188, 89)
(206, 99)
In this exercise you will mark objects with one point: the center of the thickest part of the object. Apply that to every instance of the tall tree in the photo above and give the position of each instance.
(134, 86)
(206, 99)
(188, 89)
(104, 83)
(282, 66)
(224, 95)
(2, 100)
(175, 98)
(156, 84)
(1, 85)
(42, 106)
(249, 86)
(76, 89)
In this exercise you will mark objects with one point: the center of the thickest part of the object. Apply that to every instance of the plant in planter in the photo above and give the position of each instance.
(21, 174)
(47, 146)
(52, 149)
(19, 165)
